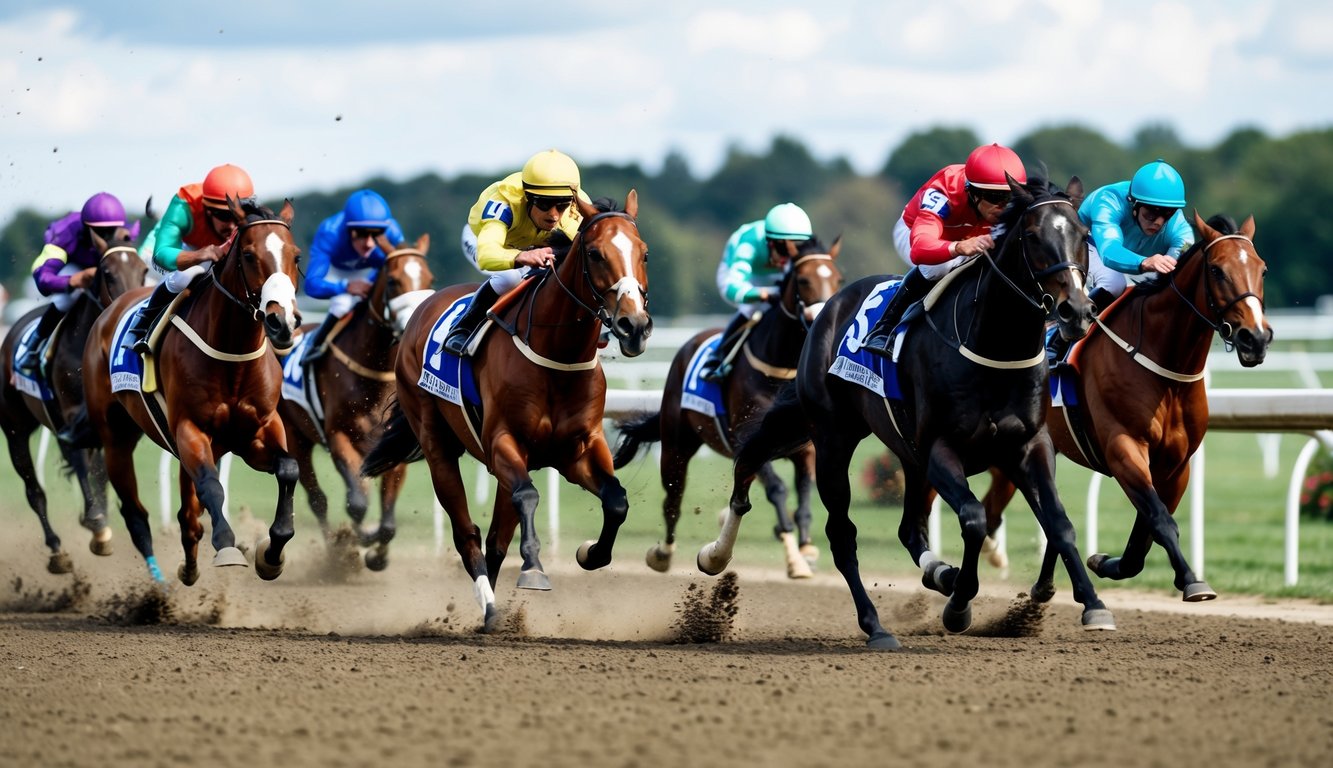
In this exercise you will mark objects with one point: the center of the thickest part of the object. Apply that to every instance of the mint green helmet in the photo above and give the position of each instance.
(787, 222)
(1158, 184)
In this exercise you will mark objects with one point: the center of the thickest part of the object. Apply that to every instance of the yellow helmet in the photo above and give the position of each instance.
(550, 173)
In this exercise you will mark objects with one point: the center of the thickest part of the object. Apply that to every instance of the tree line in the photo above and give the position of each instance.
(686, 219)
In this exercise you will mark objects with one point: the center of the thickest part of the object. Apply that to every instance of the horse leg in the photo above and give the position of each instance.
(20, 454)
(391, 484)
(191, 530)
(120, 470)
(348, 463)
(997, 497)
(714, 556)
(269, 556)
(785, 530)
(1154, 523)
(198, 469)
(912, 533)
(677, 451)
(97, 481)
(1034, 476)
(595, 472)
(833, 455)
(303, 451)
(946, 474)
(94, 516)
(805, 475)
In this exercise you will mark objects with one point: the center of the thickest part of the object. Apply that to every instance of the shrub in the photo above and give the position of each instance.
(1317, 490)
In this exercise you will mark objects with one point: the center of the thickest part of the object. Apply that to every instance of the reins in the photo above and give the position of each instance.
(250, 304)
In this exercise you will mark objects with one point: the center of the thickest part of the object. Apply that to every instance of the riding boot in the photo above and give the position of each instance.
(1101, 299)
(715, 368)
(32, 356)
(319, 345)
(914, 287)
(1056, 347)
(456, 342)
(136, 336)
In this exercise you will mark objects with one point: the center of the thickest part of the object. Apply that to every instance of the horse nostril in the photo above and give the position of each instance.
(1065, 312)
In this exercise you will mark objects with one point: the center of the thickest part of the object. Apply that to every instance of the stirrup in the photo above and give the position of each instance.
(716, 373)
(456, 342)
(878, 345)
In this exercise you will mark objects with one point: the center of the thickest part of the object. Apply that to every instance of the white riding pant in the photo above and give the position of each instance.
(342, 303)
(502, 281)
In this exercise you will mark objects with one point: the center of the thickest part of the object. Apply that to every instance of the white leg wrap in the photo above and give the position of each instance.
(482, 589)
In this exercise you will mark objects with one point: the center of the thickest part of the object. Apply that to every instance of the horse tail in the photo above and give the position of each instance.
(397, 445)
(634, 432)
(80, 432)
(783, 431)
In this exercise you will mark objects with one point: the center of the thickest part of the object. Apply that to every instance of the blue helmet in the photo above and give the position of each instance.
(1158, 184)
(366, 209)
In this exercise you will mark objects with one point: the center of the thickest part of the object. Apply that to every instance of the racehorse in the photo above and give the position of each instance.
(217, 390)
(118, 270)
(972, 376)
(354, 385)
(768, 359)
(1140, 407)
(542, 394)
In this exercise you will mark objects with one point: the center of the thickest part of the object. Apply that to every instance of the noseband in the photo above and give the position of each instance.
(251, 303)
(385, 314)
(1047, 302)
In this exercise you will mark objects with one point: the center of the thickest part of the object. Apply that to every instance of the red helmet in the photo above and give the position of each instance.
(226, 180)
(987, 165)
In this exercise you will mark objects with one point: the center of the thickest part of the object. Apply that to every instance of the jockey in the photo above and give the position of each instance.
(508, 228)
(68, 262)
(344, 259)
(1137, 227)
(198, 217)
(752, 265)
(946, 224)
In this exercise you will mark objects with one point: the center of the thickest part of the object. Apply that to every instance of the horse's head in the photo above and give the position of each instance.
(810, 278)
(1054, 243)
(262, 265)
(1233, 285)
(615, 268)
(120, 267)
(402, 284)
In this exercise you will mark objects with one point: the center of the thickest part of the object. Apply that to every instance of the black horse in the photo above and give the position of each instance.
(767, 359)
(972, 375)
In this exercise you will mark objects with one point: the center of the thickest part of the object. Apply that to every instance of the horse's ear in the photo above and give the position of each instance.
(99, 244)
(1247, 228)
(837, 246)
(382, 242)
(1075, 190)
(1205, 232)
(1020, 191)
(632, 204)
(586, 209)
(234, 205)
(423, 243)
(288, 212)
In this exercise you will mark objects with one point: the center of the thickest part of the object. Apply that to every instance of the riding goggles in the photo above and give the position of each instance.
(544, 204)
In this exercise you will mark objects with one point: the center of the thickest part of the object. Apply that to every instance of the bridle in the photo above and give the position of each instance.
(1046, 303)
(95, 296)
(251, 302)
(798, 314)
(387, 311)
(600, 313)
(1224, 329)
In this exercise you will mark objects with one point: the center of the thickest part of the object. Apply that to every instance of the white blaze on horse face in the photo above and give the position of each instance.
(824, 271)
(278, 289)
(625, 284)
(403, 306)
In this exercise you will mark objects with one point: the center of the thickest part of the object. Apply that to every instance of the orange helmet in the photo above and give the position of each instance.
(987, 165)
(226, 180)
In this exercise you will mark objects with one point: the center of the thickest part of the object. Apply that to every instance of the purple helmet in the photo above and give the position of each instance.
(103, 210)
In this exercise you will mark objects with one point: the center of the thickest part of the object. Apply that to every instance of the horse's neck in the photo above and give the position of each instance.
(371, 339)
(553, 324)
(778, 337)
(1164, 328)
(222, 323)
(1004, 324)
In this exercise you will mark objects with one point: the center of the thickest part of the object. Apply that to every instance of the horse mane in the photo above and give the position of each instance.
(1221, 222)
(560, 242)
(254, 211)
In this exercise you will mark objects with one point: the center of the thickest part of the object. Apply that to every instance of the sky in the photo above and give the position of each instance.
(139, 97)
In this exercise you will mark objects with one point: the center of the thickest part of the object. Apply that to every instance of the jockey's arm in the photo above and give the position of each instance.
(492, 253)
(46, 270)
(317, 284)
(167, 239)
(739, 287)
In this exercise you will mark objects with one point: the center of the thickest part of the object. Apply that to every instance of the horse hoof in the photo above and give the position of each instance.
(1096, 561)
(957, 621)
(228, 556)
(810, 552)
(491, 619)
(534, 579)
(101, 547)
(940, 578)
(585, 556)
(1198, 592)
(267, 572)
(188, 574)
(1098, 619)
(377, 559)
(659, 557)
(799, 569)
(883, 641)
(59, 563)
(708, 564)
(1042, 593)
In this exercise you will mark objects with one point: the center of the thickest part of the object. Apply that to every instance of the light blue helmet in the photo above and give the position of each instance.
(1157, 183)
(366, 209)
(787, 222)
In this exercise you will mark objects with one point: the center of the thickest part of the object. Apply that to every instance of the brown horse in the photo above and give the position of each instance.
(1142, 408)
(542, 394)
(768, 359)
(118, 270)
(217, 391)
(354, 385)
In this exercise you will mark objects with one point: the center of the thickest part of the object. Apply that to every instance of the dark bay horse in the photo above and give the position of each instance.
(1142, 408)
(119, 270)
(354, 385)
(767, 360)
(542, 393)
(217, 391)
(972, 375)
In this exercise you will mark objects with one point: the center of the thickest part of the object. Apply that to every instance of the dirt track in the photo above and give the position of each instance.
(388, 669)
